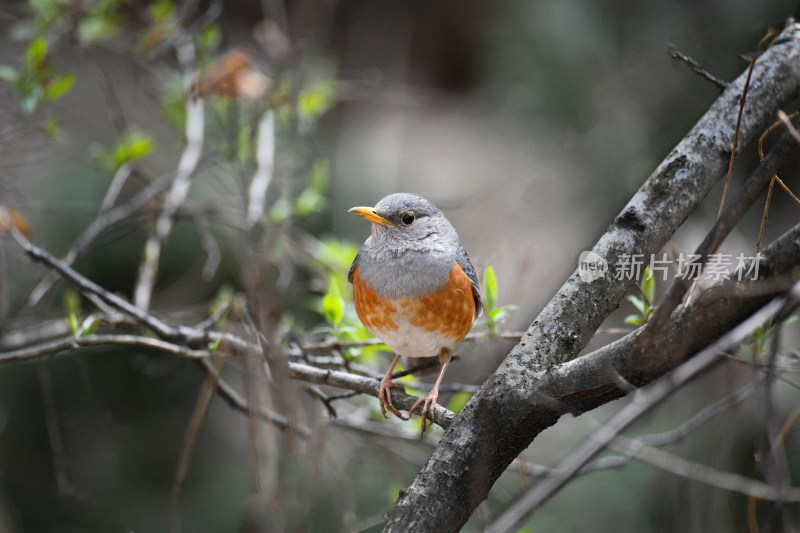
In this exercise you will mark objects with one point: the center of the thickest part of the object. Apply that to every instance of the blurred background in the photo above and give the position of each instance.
(529, 123)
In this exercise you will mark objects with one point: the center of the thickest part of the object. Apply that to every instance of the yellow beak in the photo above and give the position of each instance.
(369, 213)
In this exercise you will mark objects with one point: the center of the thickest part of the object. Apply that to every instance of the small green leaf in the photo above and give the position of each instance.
(636, 320)
(35, 55)
(244, 145)
(9, 74)
(161, 10)
(489, 288)
(97, 28)
(58, 87)
(333, 304)
(648, 285)
(458, 401)
(316, 100)
(209, 39)
(280, 211)
(52, 130)
(71, 302)
(29, 102)
(638, 303)
(134, 146)
(72, 321)
(320, 172)
(309, 201)
(89, 325)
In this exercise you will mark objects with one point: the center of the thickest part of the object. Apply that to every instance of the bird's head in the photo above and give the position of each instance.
(404, 219)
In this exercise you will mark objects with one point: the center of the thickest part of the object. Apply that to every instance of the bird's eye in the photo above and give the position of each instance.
(407, 218)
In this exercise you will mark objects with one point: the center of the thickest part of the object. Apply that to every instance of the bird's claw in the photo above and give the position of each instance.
(385, 398)
(427, 402)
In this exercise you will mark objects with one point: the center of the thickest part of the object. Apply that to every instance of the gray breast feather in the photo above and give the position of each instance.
(407, 274)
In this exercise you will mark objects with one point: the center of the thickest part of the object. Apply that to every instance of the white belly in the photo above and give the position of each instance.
(413, 341)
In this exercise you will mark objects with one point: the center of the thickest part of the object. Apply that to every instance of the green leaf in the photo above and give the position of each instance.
(29, 102)
(280, 211)
(9, 74)
(89, 325)
(638, 303)
(244, 144)
(320, 172)
(458, 401)
(35, 55)
(309, 201)
(52, 130)
(58, 87)
(489, 288)
(72, 321)
(97, 28)
(209, 39)
(134, 146)
(636, 320)
(648, 285)
(71, 302)
(333, 304)
(337, 255)
(316, 100)
(161, 10)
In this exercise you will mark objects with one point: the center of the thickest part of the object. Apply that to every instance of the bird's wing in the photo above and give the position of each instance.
(353, 267)
(463, 261)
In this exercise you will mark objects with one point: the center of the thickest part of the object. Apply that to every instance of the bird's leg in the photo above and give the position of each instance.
(385, 391)
(429, 400)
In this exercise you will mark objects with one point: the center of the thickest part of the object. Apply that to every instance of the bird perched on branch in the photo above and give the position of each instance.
(413, 287)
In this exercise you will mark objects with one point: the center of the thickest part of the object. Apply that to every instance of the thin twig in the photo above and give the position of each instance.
(704, 473)
(775, 462)
(99, 225)
(742, 101)
(786, 121)
(695, 66)
(191, 337)
(772, 181)
(265, 158)
(199, 413)
(180, 187)
(53, 429)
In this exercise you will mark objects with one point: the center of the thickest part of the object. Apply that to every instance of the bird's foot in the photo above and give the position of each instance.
(385, 397)
(427, 402)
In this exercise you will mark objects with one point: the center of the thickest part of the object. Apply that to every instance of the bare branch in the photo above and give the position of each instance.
(401, 400)
(265, 157)
(704, 473)
(695, 66)
(180, 187)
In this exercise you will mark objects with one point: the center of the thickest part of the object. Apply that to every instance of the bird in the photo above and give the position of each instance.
(414, 287)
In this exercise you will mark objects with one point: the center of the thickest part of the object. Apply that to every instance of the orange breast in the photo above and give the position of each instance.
(447, 313)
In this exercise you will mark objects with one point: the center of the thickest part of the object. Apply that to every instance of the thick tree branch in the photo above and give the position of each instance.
(530, 390)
